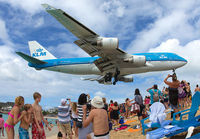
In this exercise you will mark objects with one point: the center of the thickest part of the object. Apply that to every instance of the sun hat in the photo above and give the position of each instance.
(63, 101)
(97, 102)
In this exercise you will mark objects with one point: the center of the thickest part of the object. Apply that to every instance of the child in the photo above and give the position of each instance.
(25, 122)
(1, 125)
(37, 126)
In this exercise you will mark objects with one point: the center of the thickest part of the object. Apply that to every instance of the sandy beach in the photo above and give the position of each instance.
(122, 134)
(125, 134)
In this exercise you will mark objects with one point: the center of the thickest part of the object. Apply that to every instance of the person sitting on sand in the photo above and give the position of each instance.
(99, 117)
(1, 125)
(64, 118)
(25, 121)
(157, 112)
(14, 117)
(38, 131)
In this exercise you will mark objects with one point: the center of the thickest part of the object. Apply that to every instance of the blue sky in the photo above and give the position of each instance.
(140, 25)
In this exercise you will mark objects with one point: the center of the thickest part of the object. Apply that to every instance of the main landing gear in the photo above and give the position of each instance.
(116, 79)
(109, 75)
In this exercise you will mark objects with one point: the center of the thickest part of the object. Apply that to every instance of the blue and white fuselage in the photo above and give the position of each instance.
(86, 66)
(112, 62)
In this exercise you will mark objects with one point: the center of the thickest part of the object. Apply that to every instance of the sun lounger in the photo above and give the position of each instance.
(162, 132)
(197, 136)
(185, 124)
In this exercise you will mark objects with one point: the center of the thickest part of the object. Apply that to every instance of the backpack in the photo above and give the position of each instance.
(155, 96)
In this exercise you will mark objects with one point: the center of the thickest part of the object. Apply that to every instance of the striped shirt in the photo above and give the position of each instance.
(64, 114)
(80, 113)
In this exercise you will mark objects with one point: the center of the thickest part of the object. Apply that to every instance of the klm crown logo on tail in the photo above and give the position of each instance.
(39, 52)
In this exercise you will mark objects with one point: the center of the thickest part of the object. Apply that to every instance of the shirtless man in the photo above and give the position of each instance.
(173, 92)
(37, 126)
(99, 117)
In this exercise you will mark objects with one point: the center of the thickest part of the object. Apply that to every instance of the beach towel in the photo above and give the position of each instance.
(157, 113)
(161, 132)
(131, 130)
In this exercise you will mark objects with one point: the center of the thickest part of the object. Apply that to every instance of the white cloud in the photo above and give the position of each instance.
(3, 33)
(39, 22)
(99, 93)
(190, 52)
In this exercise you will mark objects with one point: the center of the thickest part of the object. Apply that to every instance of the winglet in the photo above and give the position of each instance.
(48, 7)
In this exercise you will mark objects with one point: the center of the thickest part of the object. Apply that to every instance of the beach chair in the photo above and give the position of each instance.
(153, 125)
(197, 136)
(192, 119)
(182, 125)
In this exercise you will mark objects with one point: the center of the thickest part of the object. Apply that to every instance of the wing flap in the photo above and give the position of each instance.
(31, 59)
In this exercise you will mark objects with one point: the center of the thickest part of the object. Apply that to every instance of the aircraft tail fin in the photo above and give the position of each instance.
(30, 59)
(39, 52)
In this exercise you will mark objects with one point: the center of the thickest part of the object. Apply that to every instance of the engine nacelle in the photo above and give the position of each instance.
(127, 78)
(108, 43)
(136, 60)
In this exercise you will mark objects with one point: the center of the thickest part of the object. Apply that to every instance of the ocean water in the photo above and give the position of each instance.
(54, 130)
(5, 117)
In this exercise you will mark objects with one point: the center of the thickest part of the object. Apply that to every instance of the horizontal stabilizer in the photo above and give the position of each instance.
(30, 59)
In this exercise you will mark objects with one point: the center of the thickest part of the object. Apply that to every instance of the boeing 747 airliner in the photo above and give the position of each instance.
(111, 64)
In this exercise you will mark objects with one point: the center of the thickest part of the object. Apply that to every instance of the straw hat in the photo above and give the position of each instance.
(97, 102)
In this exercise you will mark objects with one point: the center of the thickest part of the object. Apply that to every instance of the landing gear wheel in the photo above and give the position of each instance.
(108, 77)
(116, 77)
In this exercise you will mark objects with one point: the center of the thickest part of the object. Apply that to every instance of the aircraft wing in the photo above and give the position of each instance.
(75, 27)
(112, 57)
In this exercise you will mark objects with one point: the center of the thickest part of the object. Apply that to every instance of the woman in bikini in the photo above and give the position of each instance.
(14, 117)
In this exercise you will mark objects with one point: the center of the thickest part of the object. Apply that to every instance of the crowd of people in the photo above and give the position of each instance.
(94, 118)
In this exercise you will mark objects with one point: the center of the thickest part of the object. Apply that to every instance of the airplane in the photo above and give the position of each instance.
(108, 62)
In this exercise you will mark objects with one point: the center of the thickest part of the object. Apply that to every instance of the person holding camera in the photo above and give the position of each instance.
(99, 117)
(83, 132)
(173, 92)
(154, 92)
(64, 118)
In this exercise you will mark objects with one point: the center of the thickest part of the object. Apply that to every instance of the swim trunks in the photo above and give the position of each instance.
(35, 131)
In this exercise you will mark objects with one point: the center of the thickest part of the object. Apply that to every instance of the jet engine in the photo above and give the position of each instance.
(127, 78)
(137, 60)
(108, 43)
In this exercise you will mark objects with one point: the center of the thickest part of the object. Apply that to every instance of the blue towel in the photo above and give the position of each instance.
(161, 132)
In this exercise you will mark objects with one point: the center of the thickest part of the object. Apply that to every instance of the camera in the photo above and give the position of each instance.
(89, 106)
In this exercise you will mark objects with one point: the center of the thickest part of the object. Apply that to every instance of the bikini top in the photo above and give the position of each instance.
(13, 115)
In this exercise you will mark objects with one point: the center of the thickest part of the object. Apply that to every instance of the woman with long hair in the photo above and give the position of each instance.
(14, 117)
(83, 132)
(139, 101)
